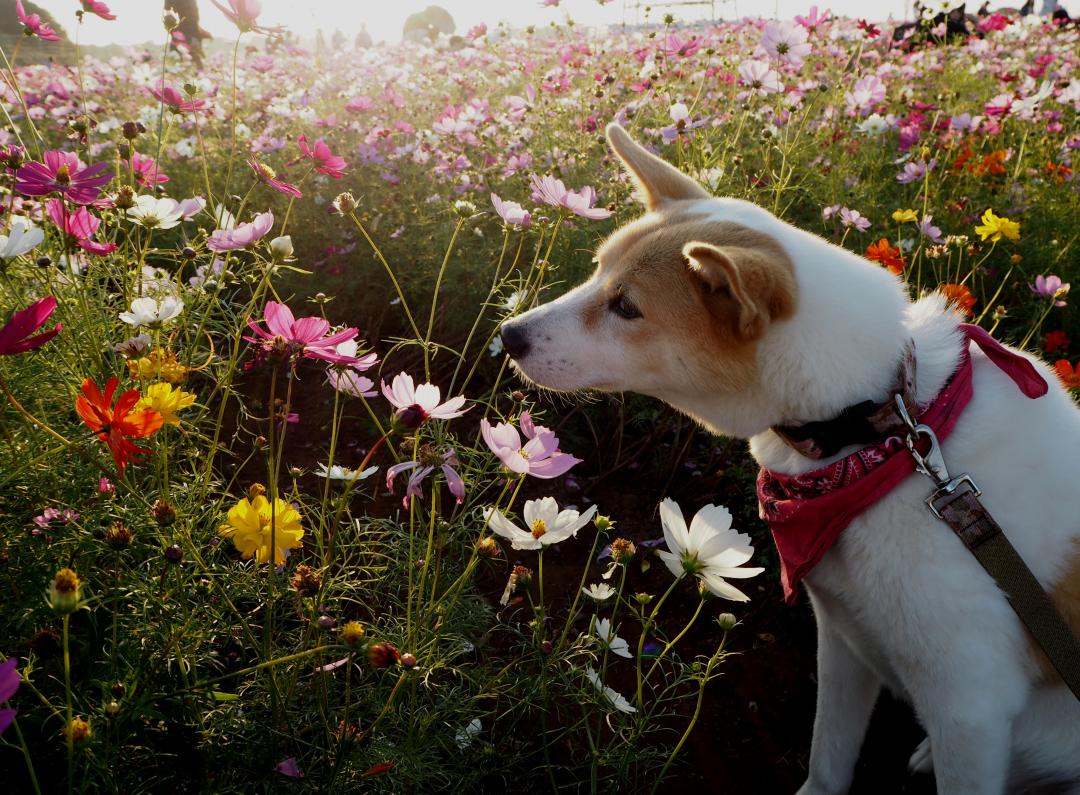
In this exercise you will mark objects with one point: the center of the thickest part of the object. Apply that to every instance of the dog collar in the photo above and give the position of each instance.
(860, 424)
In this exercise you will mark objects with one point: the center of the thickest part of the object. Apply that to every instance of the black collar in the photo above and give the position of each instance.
(861, 424)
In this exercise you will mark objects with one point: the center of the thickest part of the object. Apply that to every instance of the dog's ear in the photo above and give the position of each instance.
(743, 277)
(657, 180)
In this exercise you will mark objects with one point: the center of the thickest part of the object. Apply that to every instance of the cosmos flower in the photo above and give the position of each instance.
(98, 8)
(709, 550)
(241, 235)
(849, 217)
(154, 213)
(146, 170)
(308, 337)
(598, 591)
(1068, 373)
(914, 171)
(786, 41)
(539, 456)
(15, 334)
(549, 190)
(545, 523)
(1050, 287)
(63, 173)
(613, 697)
(429, 459)
(113, 425)
(263, 530)
(242, 13)
(325, 161)
(994, 227)
(885, 254)
(926, 226)
(33, 24)
(21, 238)
(166, 400)
(759, 77)
(338, 472)
(9, 683)
(612, 642)
(147, 311)
(959, 296)
(416, 404)
(80, 225)
(867, 92)
(512, 213)
(177, 100)
(269, 177)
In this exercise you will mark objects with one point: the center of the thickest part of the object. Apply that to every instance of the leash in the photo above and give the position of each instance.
(955, 501)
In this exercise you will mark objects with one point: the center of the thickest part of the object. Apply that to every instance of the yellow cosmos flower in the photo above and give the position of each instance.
(905, 216)
(166, 401)
(994, 227)
(159, 363)
(250, 525)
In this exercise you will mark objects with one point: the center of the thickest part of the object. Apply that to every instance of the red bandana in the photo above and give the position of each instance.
(807, 512)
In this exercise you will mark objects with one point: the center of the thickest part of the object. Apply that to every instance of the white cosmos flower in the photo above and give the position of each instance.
(614, 697)
(467, 733)
(710, 550)
(611, 641)
(600, 591)
(155, 213)
(546, 524)
(21, 238)
(338, 472)
(148, 311)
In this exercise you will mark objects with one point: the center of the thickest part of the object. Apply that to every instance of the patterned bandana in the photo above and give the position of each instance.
(807, 512)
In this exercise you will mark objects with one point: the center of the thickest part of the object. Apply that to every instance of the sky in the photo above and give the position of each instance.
(140, 20)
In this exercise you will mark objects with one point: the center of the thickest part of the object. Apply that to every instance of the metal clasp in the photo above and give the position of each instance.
(932, 464)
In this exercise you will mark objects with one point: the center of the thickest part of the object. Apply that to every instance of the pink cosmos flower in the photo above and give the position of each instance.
(147, 172)
(539, 456)
(288, 767)
(241, 13)
(33, 24)
(15, 334)
(80, 225)
(812, 21)
(416, 404)
(867, 92)
(348, 379)
(176, 100)
(64, 173)
(242, 235)
(759, 77)
(421, 469)
(849, 217)
(306, 336)
(325, 161)
(914, 171)
(1050, 287)
(512, 213)
(552, 191)
(926, 226)
(786, 42)
(99, 8)
(9, 683)
(269, 177)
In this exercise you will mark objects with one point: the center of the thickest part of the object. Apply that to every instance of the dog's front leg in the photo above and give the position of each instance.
(847, 690)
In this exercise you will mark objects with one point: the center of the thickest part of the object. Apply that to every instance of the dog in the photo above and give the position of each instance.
(746, 324)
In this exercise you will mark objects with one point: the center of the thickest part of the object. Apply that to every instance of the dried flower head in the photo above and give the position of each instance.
(306, 581)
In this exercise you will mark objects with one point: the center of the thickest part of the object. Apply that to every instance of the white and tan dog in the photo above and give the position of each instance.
(744, 322)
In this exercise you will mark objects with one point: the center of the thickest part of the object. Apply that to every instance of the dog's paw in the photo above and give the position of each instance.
(921, 761)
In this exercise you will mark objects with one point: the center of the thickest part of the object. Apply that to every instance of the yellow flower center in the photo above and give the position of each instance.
(539, 527)
(63, 174)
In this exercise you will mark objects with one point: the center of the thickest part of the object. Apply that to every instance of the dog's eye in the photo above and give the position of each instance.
(623, 307)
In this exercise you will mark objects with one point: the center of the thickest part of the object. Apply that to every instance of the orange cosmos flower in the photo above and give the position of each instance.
(959, 296)
(890, 257)
(114, 424)
(1069, 375)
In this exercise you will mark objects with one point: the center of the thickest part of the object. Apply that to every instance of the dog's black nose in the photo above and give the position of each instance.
(515, 341)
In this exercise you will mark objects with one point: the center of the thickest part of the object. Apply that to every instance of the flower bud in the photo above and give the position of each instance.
(118, 535)
(64, 592)
(188, 252)
(112, 708)
(727, 621)
(622, 550)
(78, 730)
(345, 203)
(325, 622)
(44, 261)
(125, 197)
(164, 514)
(603, 523)
(281, 247)
(174, 554)
(408, 660)
(306, 581)
(383, 654)
(487, 547)
(256, 490)
(643, 598)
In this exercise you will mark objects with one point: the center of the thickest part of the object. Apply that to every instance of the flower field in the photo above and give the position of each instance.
(277, 514)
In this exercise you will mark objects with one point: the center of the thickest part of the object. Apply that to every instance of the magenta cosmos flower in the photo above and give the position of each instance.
(416, 404)
(242, 235)
(306, 336)
(98, 8)
(33, 24)
(146, 170)
(512, 213)
(9, 683)
(269, 177)
(326, 162)
(421, 469)
(80, 225)
(1050, 287)
(552, 191)
(15, 335)
(64, 173)
(539, 456)
(175, 99)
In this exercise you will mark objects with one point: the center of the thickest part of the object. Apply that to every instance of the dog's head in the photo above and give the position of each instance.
(680, 301)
